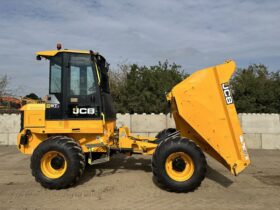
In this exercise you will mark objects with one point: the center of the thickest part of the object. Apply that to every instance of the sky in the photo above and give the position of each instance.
(192, 33)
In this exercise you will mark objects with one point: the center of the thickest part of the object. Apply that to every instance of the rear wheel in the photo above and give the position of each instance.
(179, 165)
(165, 133)
(57, 162)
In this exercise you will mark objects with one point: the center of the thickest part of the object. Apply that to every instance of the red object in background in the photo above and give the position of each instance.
(10, 102)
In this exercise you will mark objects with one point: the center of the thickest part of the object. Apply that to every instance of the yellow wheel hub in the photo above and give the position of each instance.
(179, 166)
(53, 164)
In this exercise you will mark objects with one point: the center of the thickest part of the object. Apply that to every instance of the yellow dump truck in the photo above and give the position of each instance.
(77, 125)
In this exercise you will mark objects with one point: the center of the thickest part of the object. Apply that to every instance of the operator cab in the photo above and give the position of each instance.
(78, 85)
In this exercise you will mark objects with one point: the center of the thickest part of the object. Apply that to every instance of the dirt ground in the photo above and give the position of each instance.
(126, 183)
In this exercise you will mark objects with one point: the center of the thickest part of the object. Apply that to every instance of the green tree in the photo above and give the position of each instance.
(32, 96)
(255, 90)
(117, 80)
(275, 78)
(142, 89)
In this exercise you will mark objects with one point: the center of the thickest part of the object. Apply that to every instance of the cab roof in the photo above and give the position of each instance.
(51, 53)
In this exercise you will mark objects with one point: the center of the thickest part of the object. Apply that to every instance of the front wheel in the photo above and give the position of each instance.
(179, 165)
(57, 162)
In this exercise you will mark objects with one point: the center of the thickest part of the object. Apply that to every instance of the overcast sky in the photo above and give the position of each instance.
(194, 34)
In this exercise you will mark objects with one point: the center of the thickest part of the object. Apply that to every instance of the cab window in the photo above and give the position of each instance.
(55, 74)
(82, 81)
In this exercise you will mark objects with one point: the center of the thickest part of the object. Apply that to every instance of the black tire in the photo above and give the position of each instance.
(183, 146)
(73, 160)
(165, 133)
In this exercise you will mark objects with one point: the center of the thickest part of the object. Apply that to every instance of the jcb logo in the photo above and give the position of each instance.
(83, 111)
(227, 93)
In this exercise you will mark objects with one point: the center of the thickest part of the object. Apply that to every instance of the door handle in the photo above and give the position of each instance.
(93, 98)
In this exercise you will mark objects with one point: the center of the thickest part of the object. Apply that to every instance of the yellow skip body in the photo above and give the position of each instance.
(204, 111)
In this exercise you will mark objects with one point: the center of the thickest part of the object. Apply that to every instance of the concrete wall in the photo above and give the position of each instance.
(9, 128)
(261, 131)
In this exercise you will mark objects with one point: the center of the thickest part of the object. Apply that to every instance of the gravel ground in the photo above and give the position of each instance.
(126, 183)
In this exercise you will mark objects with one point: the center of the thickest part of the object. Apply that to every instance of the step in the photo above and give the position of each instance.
(98, 161)
(95, 145)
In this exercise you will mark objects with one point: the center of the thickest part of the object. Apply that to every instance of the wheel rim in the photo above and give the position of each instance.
(53, 164)
(179, 166)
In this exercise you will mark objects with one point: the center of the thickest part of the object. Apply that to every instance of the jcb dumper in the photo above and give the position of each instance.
(77, 125)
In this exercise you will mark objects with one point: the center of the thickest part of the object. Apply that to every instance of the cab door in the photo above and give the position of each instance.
(55, 100)
(83, 92)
